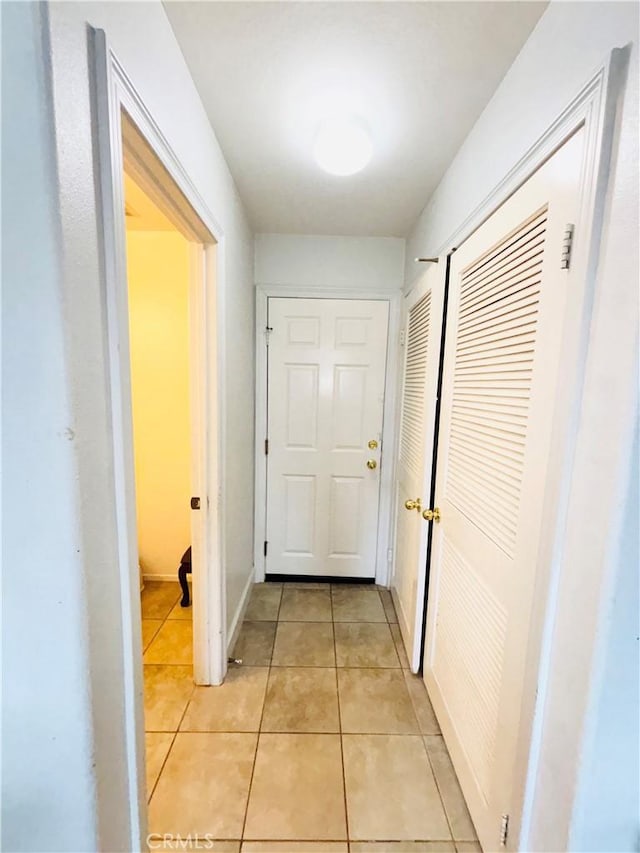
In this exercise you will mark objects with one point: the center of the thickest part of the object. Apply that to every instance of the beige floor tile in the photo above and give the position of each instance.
(375, 701)
(167, 689)
(156, 745)
(150, 628)
(304, 644)
(399, 642)
(357, 605)
(305, 605)
(158, 597)
(264, 603)
(391, 792)
(365, 644)
(447, 781)
(172, 644)
(204, 785)
(235, 706)
(295, 847)
(180, 612)
(254, 645)
(301, 700)
(297, 791)
(387, 603)
(422, 704)
(402, 847)
(303, 585)
(468, 847)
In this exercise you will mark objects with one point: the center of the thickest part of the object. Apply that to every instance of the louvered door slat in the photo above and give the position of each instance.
(413, 399)
(507, 251)
(493, 321)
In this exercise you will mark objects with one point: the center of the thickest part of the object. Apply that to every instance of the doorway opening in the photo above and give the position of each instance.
(164, 433)
(166, 301)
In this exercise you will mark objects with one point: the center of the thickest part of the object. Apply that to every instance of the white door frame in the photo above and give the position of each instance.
(558, 675)
(116, 101)
(389, 425)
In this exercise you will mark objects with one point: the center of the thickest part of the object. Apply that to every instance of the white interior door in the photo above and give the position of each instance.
(422, 334)
(326, 379)
(505, 323)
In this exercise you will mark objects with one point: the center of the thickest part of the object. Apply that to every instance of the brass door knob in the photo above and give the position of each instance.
(431, 514)
(372, 444)
(371, 464)
(417, 504)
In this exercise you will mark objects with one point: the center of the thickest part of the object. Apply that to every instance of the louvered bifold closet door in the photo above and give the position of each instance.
(423, 330)
(504, 339)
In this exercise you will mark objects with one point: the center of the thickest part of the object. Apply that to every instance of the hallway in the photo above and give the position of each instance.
(322, 740)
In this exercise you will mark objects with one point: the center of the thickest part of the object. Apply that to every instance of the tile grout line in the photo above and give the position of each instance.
(173, 740)
(259, 732)
(344, 775)
(435, 779)
(175, 733)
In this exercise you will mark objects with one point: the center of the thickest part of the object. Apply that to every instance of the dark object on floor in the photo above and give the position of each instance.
(183, 571)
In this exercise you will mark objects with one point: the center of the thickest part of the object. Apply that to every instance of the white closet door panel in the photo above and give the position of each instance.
(327, 360)
(423, 329)
(504, 335)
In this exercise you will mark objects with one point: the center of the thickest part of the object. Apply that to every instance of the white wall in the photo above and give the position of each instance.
(307, 261)
(607, 818)
(64, 747)
(569, 43)
(48, 784)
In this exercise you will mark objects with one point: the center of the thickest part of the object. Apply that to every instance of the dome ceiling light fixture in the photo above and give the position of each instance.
(342, 145)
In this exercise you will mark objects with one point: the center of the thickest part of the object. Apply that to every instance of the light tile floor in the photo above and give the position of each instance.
(322, 741)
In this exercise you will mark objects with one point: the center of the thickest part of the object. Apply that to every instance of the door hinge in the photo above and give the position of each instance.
(265, 547)
(504, 829)
(267, 333)
(266, 447)
(403, 335)
(567, 244)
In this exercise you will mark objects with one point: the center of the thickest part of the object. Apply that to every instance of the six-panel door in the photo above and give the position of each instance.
(326, 378)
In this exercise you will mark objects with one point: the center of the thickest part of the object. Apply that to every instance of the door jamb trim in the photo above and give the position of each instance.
(112, 94)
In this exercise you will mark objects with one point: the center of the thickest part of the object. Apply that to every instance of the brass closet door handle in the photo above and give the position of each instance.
(417, 504)
(372, 464)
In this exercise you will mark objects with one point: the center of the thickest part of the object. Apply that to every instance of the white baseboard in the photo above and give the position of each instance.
(165, 577)
(403, 623)
(236, 622)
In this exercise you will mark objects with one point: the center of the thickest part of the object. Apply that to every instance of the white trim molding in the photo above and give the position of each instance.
(233, 631)
(389, 424)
